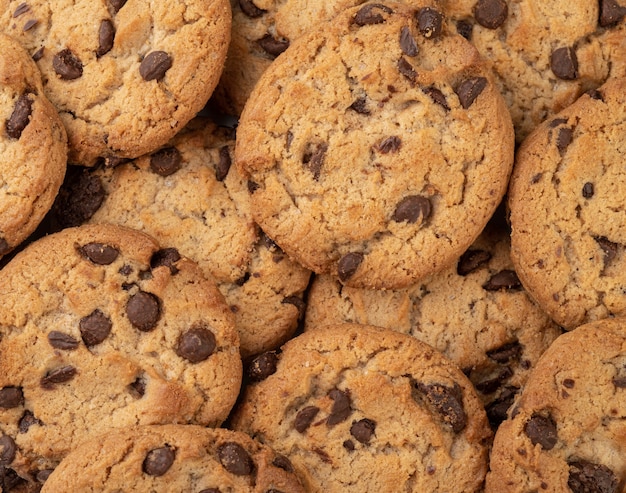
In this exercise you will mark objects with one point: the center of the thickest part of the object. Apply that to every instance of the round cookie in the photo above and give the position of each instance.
(544, 54)
(101, 328)
(33, 147)
(125, 76)
(376, 150)
(160, 459)
(567, 431)
(567, 198)
(357, 408)
(475, 312)
(187, 195)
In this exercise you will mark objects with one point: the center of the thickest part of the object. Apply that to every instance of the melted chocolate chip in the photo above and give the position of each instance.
(412, 208)
(348, 265)
(541, 430)
(471, 260)
(22, 8)
(9, 479)
(106, 36)
(99, 253)
(304, 418)
(341, 407)
(20, 117)
(429, 22)
(360, 106)
(30, 23)
(8, 449)
(564, 139)
(95, 328)
(588, 190)
(11, 397)
(166, 257)
(273, 46)
(608, 248)
(38, 54)
(407, 42)
(497, 409)
(154, 65)
(27, 420)
(363, 430)
(503, 280)
(297, 302)
(223, 165)
(313, 158)
(611, 13)
(143, 310)
(251, 10)
(262, 366)
(283, 463)
(470, 89)
(406, 69)
(587, 477)
(166, 162)
(491, 13)
(564, 63)
(137, 388)
(59, 340)
(58, 375)
(117, 4)
(235, 459)
(506, 353)
(196, 345)
(67, 65)
(464, 28)
(368, 15)
(158, 461)
(437, 96)
(446, 401)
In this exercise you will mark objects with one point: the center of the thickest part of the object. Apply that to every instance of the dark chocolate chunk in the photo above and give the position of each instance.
(283, 463)
(390, 144)
(472, 260)
(446, 401)
(158, 461)
(506, 353)
(59, 340)
(470, 89)
(9, 479)
(360, 106)
(43, 475)
(564, 63)
(503, 280)
(341, 407)
(166, 257)
(412, 208)
(58, 375)
(406, 69)
(611, 13)
(154, 65)
(137, 387)
(38, 54)
(117, 5)
(196, 345)
(313, 158)
(491, 13)
(8, 449)
(541, 430)
(408, 44)
(489, 384)
(20, 117)
(223, 165)
(252, 186)
(166, 162)
(22, 8)
(79, 198)
(11, 396)
(106, 35)
(587, 477)
(564, 139)
(363, 430)
(608, 248)
(297, 302)
(437, 96)
(497, 408)
(304, 418)
(99, 253)
(262, 366)
(464, 28)
(29, 24)
(251, 10)
(67, 65)
(368, 14)
(348, 265)
(95, 328)
(27, 420)
(273, 46)
(348, 445)
(235, 459)
(569, 383)
(588, 190)
(143, 310)
(429, 22)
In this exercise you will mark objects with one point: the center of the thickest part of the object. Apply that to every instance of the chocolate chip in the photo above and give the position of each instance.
(313, 158)
(154, 65)
(196, 345)
(95, 328)
(506, 353)
(406, 69)
(11, 396)
(363, 430)
(470, 89)
(235, 459)
(446, 401)
(99, 253)
(143, 310)
(497, 408)
(564, 63)
(587, 477)
(437, 96)
(503, 280)
(20, 117)
(304, 418)
(297, 302)
(489, 384)
(341, 407)
(137, 388)
(360, 106)
(273, 46)
(412, 208)
(608, 248)
(252, 186)
(541, 430)
(429, 22)
(251, 10)
(390, 144)
(22, 8)
(367, 15)
(38, 55)
(166, 257)
(158, 461)
(9, 480)
(58, 375)
(59, 340)
(30, 23)
(491, 13)
(472, 260)
(564, 139)
(80, 197)
(166, 162)
(556, 122)
(43, 475)
(4, 246)
(464, 28)
(323, 455)
(8, 449)
(262, 366)
(283, 463)
(117, 4)
(26, 421)
(106, 35)
(223, 165)
(595, 94)
(611, 13)
(348, 265)
(407, 42)
(588, 190)
(67, 65)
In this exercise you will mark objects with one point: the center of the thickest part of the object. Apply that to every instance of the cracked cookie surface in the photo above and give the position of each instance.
(376, 149)
(567, 202)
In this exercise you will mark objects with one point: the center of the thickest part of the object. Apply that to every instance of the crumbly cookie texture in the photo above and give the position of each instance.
(567, 200)
(567, 431)
(544, 54)
(475, 312)
(101, 329)
(358, 408)
(33, 147)
(160, 459)
(125, 76)
(376, 148)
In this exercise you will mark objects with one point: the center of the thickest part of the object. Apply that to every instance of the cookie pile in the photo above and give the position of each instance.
(313, 246)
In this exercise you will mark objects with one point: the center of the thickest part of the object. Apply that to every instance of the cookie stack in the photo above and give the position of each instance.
(336, 246)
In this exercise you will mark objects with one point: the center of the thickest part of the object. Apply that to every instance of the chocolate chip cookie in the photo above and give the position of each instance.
(33, 147)
(169, 458)
(376, 147)
(566, 432)
(475, 312)
(356, 408)
(101, 328)
(567, 206)
(125, 76)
